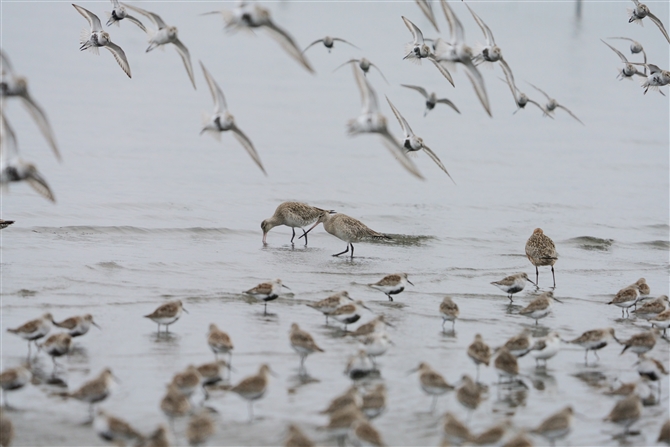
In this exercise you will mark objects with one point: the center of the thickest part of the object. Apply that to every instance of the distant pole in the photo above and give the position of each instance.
(578, 9)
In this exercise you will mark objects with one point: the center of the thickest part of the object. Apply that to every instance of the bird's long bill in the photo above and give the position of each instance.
(116, 379)
(310, 228)
(286, 287)
(410, 282)
(272, 373)
(389, 324)
(556, 299)
(184, 309)
(365, 307)
(95, 324)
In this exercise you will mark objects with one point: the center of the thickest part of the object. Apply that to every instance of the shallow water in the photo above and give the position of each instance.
(148, 211)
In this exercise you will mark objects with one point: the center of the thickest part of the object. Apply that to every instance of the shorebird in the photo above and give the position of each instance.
(643, 287)
(431, 99)
(374, 402)
(545, 348)
(412, 143)
(417, 50)
(158, 438)
(212, 372)
(96, 38)
(432, 382)
(200, 428)
(113, 429)
(6, 430)
(219, 342)
(175, 404)
(14, 379)
(540, 307)
(519, 345)
(119, 13)
(94, 391)
(556, 426)
(302, 343)
(328, 42)
(5, 223)
(372, 121)
(469, 393)
(294, 215)
(479, 352)
(641, 343)
(651, 309)
(391, 284)
(651, 369)
(359, 365)
(364, 65)
(251, 16)
(13, 168)
(506, 365)
(493, 435)
(626, 412)
(375, 344)
(661, 320)
(253, 387)
(187, 381)
(449, 312)
(347, 229)
(655, 79)
(427, 9)
(456, 51)
(362, 432)
(164, 35)
(166, 314)
(626, 298)
(594, 340)
(349, 313)
(296, 438)
(552, 104)
(327, 305)
(14, 85)
(512, 284)
(350, 397)
(520, 440)
(628, 69)
(34, 329)
(340, 422)
(57, 345)
(540, 250)
(78, 325)
(640, 12)
(635, 48)
(221, 120)
(375, 325)
(267, 291)
(664, 435)
(455, 431)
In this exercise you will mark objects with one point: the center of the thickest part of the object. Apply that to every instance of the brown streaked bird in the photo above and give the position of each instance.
(34, 329)
(449, 312)
(200, 428)
(5, 223)
(512, 284)
(350, 397)
(642, 286)
(375, 325)
(626, 412)
(174, 404)
(625, 389)
(664, 435)
(362, 432)
(253, 387)
(267, 291)
(506, 364)
(219, 342)
(641, 343)
(187, 381)
(166, 314)
(556, 426)
(57, 345)
(519, 345)
(347, 229)
(302, 343)
(540, 307)
(540, 250)
(392, 284)
(455, 431)
(212, 373)
(78, 325)
(651, 369)
(327, 305)
(651, 309)
(296, 438)
(520, 440)
(594, 340)
(341, 420)
(469, 393)
(6, 430)
(95, 390)
(14, 379)
(479, 352)
(432, 382)
(158, 438)
(113, 429)
(294, 215)
(493, 435)
(349, 313)
(661, 320)
(626, 298)
(374, 402)
(359, 365)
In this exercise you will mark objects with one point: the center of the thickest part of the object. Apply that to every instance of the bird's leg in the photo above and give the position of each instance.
(293, 230)
(443, 321)
(352, 252)
(304, 233)
(432, 407)
(553, 275)
(537, 276)
(265, 309)
(586, 358)
(251, 411)
(345, 251)
(388, 294)
(596, 353)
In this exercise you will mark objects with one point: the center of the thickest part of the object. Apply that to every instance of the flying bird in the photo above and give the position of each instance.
(431, 99)
(417, 50)
(119, 13)
(640, 12)
(328, 42)
(552, 104)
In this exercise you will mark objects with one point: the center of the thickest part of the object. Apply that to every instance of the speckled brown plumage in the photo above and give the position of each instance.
(540, 250)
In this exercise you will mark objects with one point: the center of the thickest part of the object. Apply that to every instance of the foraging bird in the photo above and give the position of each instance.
(328, 305)
(594, 340)
(540, 250)
(296, 438)
(626, 412)
(349, 313)
(14, 379)
(391, 284)
(432, 382)
(512, 284)
(267, 291)
(540, 307)
(78, 325)
(34, 329)
(113, 429)
(641, 343)
(556, 426)
(347, 229)
(294, 215)
(57, 345)
(200, 428)
(455, 431)
(166, 314)
(95, 390)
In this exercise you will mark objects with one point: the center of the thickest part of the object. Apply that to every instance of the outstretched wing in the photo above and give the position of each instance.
(220, 105)
(93, 20)
(186, 58)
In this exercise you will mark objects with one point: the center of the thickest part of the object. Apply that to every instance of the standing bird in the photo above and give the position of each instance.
(431, 99)
(94, 391)
(642, 342)
(34, 329)
(96, 38)
(661, 320)
(267, 291)
(506, 365)
(374, 326)
(449, 312)
(432, 382)
(412, 143)
(417, 50)
(359, 365)
(6, 430)
(166, 314)
(594, 340)
(364, 65)
(349, 313)
(113, 429)
(119, 13)
(222, 120)
(643, 287)
(469, 393)
(664, 435)
(174, 404)
(545, 348)
(164, 35)
(556, 426)
(253, 387)
(200, 428)
(296, 438)
(211, 373)
(652, 308)
(540, 307)
(78, 325)
(552, 104)
(454, 430)
(626, 298)
(302, 343)
(294, 215)
(479, 352)
(362, 432)
(653, 370)
(347, 229)
(512, 284)
(158, 438)
(14, 379)
(328, 305)
(626, 412)
(328, 42)
(640, 12)
(374, 402)
(187, 381)
(57, 345)
(375, 344)
(391, 284)
(350, 397)
(519, 345)
(540, 250)
(219, 342)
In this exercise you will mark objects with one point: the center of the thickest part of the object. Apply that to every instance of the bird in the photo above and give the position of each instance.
(327, 305)
(116, 430)
(362, 432)
(6, 430)
(57, 345)
(661, 320)
(391, 284)
(253, 387)
(512, 284)
(219, 342)
(164, 35)
(222, 120)
(364, 64)
(294, 215)
(328, 42)
(412, 143)
(372, 121)
(432, 382)
(267, 291)
(449, 312)
(347, 229)
(13, 379)
(479, 352)
(302, 343)
(359, 365)
(456, 51)
(556, 426)
(13, 168)
(650, 309)
(540, 250)
(431, 99)
(626, 412)
(455, 431)
(211, 373)
(340, 422)
(78, 325)
(187, 381)
(545, 348)
(635, 48)
(520, 344)
(350, 397)
(628, 70)
(166, 314)
(200, 428)
(506, 365)
(540, 307)
(643, 287)
(375, 344)
(5, 223)
(664, 435)
(375, 325)
(374, 402)
(626, 298)
(349, 313)
(34, 329)
(296, 438)
(655, 79)
(119, 13)
(427, 9)
(16, 86)
(492, 435)
(641, 343)
(158, 438)
(469, 393)
(651, 369)
(96, 38)
(552, 104)
(640, 12)
(175, 404)
(417, 50)
(594, 340)
(95, 390)
(251, 16)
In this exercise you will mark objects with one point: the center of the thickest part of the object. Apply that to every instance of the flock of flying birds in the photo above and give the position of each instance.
(443, 54)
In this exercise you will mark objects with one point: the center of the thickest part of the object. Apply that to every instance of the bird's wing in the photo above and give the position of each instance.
(538, 89)
(478, 83)
(571, 114)
(312, 44)
(437, 161)
(244, 140)
(416, 32)
(6, 65)
(136, 22)
(9, 148)
(220, 105)
(417, 88)
(621, 56)
(509, 76)
(337, 39)
(442, 70)
(530, 101)
(490, 41)
(406, 130)
(120, 57)
(155, 18)
(449, 103)
(658, 23)
(289, 45)
(456, 28)
(93, 20)
(380, 72)
(368, 95)
(41, 119)
(40, 185)
(428, 11)
(186, 57)
(397, 151)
